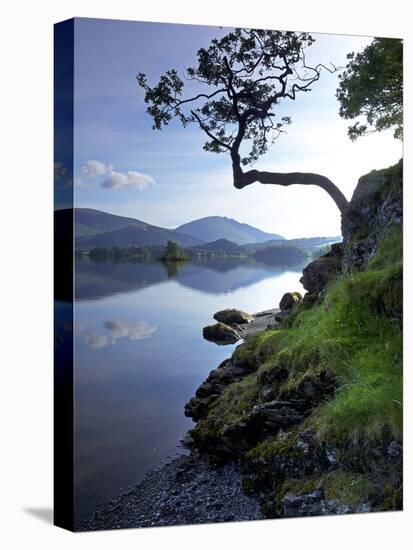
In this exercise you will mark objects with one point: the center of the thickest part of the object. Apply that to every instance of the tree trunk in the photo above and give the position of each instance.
(242, 179)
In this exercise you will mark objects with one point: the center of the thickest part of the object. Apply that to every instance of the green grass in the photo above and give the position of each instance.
(351, 336)
(355, 335)
(389, 250)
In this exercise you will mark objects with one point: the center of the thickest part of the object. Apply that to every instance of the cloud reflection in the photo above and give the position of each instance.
(133, 330)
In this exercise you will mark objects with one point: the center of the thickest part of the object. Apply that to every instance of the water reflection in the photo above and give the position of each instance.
(140, 355)
(216, 276)
(134, 330)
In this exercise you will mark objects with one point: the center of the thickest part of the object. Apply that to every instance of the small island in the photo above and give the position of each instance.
(173, 253)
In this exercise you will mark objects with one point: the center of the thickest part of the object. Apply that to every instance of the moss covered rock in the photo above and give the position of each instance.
(289, 300)
(220, 333)
(233, 316)
(319, 273)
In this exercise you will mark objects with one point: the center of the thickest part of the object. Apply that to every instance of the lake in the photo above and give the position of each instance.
(140, 356)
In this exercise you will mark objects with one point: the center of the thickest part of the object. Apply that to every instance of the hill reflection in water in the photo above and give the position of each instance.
(214, 276)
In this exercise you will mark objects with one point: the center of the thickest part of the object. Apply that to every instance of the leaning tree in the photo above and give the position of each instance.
(241, 79)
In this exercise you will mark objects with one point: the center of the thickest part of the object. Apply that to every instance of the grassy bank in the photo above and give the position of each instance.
(343, 360)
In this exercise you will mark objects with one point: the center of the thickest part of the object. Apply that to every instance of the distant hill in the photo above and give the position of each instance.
(221, 246)
(214, 228)
(97, 229)
(306, 244)
(92, 222)
(94, 228)
(281, 255)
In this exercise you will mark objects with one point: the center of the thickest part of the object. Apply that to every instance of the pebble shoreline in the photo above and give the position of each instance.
(186, 490)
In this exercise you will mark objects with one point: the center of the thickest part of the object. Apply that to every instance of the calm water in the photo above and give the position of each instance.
(140, 355)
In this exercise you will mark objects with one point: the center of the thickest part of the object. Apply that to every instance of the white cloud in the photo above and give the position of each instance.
(119, 180)
(93, 168)
(114, 180)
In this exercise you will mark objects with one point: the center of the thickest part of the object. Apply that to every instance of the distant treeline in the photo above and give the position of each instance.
(121, 253)
(280, 255)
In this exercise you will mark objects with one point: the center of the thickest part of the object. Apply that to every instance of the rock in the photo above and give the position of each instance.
(233, 316)
(186, 441)
(395, 453)
(294, 505)
(363, 508)
(312, 388)
(310, 298)
(281, 315)
(303, 446)
(314, 504)
(275, 404)
(323, 270)
(334, 506)
(289, 300)
(197, 408)
(220, 333)
(267, 394)
(331, 456)
(376, 205)
(217, 380)
(276, 415)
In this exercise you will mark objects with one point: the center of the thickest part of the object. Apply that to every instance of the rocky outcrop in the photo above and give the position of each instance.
(277, 407)
(376, 206)
(226, 373)
(319, 273)
(262, 407)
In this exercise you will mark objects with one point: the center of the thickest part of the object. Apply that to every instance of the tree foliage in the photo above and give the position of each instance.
(173, 253)
(243, 76)
(371, 87)
(240, 80)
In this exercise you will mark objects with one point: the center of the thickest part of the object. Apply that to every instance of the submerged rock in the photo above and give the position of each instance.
(220, 333)
(233, 316)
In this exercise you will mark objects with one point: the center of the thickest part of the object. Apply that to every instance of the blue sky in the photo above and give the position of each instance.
(124, 167)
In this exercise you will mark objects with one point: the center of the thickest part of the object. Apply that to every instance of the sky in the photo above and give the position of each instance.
(165, 178)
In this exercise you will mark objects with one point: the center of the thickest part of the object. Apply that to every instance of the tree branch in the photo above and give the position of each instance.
(242, 179)
(208, 133)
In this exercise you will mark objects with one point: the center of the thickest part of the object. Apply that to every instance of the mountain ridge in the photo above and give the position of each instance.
(96, 228)
(214, 228)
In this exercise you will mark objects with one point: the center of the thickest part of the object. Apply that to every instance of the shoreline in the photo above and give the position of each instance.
(186, 490)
